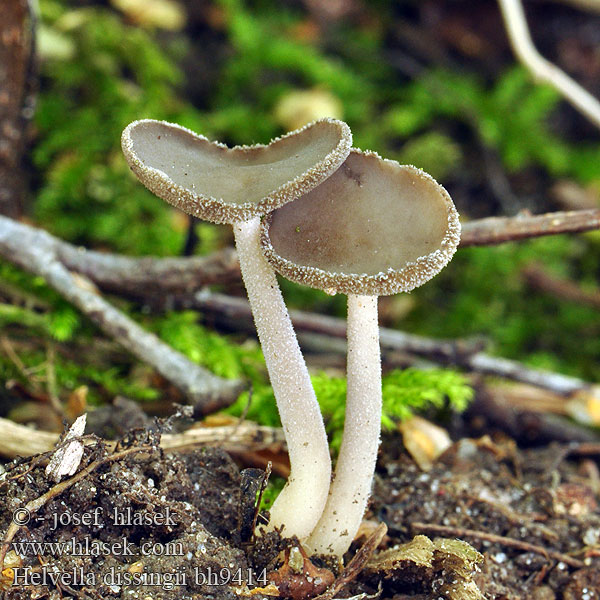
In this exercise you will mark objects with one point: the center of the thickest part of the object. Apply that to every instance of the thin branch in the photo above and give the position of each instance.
(236, 311)
(130, 275)
(497, 230)
(511, 369)
(540, 68)
(36, 253)
(18, 440)
(562, 288)
(125, 275)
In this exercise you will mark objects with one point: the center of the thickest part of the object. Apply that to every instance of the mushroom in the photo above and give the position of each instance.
(373, 228)
(237, 186)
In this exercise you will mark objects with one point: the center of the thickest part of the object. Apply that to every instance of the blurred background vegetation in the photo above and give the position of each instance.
(428, 83)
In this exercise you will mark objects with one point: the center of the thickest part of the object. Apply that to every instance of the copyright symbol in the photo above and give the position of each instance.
(21, 516)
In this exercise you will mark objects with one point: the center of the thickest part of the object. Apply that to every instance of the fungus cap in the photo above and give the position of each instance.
(374, 227)
(224, 185)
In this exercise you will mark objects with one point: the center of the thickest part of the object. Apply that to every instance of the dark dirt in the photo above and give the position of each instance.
(532, 514)
(543, 506)
(189, 508)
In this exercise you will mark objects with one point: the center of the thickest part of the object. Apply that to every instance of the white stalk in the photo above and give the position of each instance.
(300, 503)
(353, 478)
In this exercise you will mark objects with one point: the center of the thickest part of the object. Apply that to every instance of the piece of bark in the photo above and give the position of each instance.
(36, 255)
(16, 101)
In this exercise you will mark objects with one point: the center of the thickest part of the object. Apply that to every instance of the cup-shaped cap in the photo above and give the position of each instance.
(225, 185)
(375, 227)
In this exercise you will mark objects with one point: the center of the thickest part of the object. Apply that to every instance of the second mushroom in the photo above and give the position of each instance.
(373, 228)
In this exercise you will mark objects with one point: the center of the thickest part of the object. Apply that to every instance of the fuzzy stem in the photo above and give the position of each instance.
(351, 485)
(301, 502)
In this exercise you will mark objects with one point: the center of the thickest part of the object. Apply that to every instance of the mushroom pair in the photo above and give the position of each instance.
(338, 220)
(238, 186)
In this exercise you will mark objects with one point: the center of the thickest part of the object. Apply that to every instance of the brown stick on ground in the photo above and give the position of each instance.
(207, 391)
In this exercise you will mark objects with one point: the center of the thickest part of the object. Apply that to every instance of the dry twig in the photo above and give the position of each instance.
(37, 254)
(561, 288)
(497, 230)
(540, 68)
(148, 276)
(236, 310)
(141, 277)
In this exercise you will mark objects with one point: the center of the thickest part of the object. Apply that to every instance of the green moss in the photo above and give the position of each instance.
(514, 116)
(120, 74)
(221, 355)
(83, 190)
(404, 392)
(483, 293)
(434, 152)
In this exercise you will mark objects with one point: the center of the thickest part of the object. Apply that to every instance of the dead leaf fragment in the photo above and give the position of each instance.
(445, 567)
(424, 440)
